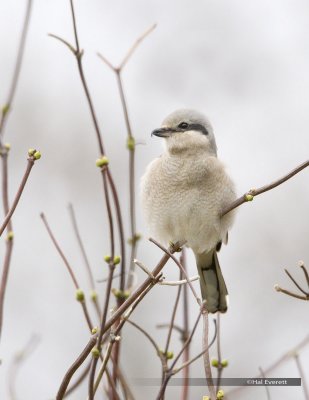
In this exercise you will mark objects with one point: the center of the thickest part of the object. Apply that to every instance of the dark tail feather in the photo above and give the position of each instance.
(212, 283)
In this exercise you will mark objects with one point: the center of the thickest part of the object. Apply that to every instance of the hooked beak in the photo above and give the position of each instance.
(162, 132)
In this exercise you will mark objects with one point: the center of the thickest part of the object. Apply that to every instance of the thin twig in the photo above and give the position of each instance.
(302, 376)
(74, 367)
(134, 296)
(202, 353)
(149, 337)
(17, 68)
(170, 330)
(17, 362)
(81, 245)
(220, 368)
(185, 336)
(78, 381)
(207, 365)
(85, 258)
(266, 387)
(184, 365)
(131, 148)
(182, 282)
(135, 45)
(285, 357)
(119, 328)
(166, 251)
(255, 192)
(4, 153)
(65, 260)
(295, 282)
(69, 268)
(288, 292)
(20, 190)
(187, 342)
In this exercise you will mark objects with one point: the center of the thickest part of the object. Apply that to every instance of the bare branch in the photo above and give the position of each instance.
(135, 45)
(205, 353)
(285, 357)
(302, 376)
(255, 192)
(166, 251)
(19, 358)
(74, 51)
(18, 63)
(74, 367)
(70, 270)
(20, 190)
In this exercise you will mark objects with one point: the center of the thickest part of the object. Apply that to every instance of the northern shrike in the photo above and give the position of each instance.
(183, 194)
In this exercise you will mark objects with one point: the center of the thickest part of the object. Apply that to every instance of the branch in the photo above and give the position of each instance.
(285, 357)
(206, 346)
(131, 147)
(167, 251)
(8, 105)
(255, 192)
(31, 159)
(86, 260)
(305, 295)
(18, 360)
(79, 293)
(74, 367)
(115, 334)
(302, 376)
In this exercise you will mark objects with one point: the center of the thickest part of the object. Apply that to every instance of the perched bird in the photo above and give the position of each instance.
(183, 193)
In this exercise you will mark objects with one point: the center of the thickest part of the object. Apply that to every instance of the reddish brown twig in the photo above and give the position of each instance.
(71, 272)
(4, 155)
(86, 261)
(255, 192)
(285, 357)
(20, 52)
(74, 367)
(305, 295)
(20, 190)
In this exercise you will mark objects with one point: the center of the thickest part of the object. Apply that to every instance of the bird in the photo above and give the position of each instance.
(183, 193)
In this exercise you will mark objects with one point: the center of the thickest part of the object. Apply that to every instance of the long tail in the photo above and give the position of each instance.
(212, 283)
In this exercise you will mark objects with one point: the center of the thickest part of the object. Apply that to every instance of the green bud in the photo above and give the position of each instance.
(107, 258)
(220, 395)
(206, 398)
(95, 352)
(249, 197)
(131, 143)
(37, 155)
(93, 295)
(80, 296)
(5, 109)
(169, 355)
(135, 238)
(94, 330)
(119, 294)
(7, 146)
(224, 363)
(10, 235)
(215, 363)
(31, 152)
(100, 162)
(117, 260)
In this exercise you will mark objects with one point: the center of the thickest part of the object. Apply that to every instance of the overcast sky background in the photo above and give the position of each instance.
(245, 65)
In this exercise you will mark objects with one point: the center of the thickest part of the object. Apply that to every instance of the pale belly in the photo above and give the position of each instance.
(180, 205)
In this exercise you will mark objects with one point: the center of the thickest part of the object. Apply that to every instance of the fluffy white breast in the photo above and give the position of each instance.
(183, 194)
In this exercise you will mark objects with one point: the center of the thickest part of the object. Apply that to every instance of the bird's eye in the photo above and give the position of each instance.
(183, 125)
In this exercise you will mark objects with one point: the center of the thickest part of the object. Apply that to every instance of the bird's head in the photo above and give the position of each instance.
(187, 131)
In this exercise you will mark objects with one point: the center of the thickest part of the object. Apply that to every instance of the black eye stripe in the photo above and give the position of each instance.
(184, 126)
(198, 127)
